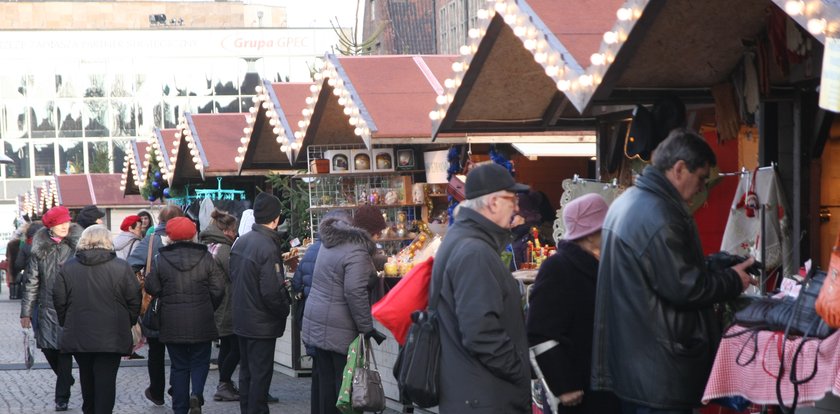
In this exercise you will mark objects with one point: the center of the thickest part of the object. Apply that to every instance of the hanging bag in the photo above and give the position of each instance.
(367, 392)
(828, 302)
(355, 357)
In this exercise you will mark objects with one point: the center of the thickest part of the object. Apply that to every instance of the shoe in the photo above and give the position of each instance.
(148, 394)
(271, 399)
(226, 392)
(214, 367)
(61, 406)
(195, 404)
(135, 355)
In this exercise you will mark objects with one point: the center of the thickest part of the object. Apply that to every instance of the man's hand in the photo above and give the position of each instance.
(571, 398)
(746, 278)
(25, 323)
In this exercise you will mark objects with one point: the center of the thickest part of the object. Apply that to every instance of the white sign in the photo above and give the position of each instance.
(436, 165)
(830, 82)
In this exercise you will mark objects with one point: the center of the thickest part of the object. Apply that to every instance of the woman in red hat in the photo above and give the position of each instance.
(51, 246)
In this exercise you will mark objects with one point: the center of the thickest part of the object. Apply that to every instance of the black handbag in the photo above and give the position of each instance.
(418, 363)
(367, 393)
(151, 318)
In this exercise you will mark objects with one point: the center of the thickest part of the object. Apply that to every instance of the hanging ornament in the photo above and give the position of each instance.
(166, 192)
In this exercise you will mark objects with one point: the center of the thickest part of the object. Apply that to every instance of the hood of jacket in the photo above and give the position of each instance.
(94, 257)
(183, 256)
(42, 242)
(213, 234)
(335, 231)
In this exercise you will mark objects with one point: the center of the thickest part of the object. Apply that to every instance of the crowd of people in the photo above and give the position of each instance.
(627, 276)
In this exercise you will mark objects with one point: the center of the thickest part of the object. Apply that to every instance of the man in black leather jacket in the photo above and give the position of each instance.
(655, 330)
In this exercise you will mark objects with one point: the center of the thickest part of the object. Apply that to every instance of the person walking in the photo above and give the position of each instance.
(338, 305)
(218, 236)
(89, 215)
(561, 310)
(260, 302)
(484, 364)
(131, 232)
(189, 286)
(51, 246)
(655, 293)
(157, 351)
(96, 332)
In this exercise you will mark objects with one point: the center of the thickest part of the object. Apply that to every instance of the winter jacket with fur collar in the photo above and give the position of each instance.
(338, 306)
(41, 271)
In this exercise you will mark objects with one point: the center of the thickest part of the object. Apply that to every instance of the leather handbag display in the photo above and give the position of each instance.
(367, 392)
(828, 302)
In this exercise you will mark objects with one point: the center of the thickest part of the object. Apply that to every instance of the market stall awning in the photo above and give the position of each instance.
(206, 147)
(102, 190)
(373, 99)
(133, 172)
(271, 125)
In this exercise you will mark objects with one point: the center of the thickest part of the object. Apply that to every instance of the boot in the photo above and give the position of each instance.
(195, 404)
(226, 392)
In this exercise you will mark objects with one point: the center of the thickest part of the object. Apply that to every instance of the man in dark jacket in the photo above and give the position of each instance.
(260, 302)
(655, 330)
(484, 364)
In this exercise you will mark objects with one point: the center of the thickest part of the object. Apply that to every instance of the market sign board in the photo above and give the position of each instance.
(830, 84)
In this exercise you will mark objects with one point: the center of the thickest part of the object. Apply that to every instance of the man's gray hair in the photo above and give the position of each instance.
(95, 237)
(479, 203)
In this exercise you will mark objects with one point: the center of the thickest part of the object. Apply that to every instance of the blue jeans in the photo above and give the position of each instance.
(189, 363)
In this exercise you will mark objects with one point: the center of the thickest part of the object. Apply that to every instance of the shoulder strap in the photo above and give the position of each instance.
(148, 268)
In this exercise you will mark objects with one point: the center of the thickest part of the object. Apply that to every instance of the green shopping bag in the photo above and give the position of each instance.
(354, 358)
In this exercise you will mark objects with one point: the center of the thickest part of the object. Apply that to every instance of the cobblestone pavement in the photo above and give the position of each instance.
(31, 391)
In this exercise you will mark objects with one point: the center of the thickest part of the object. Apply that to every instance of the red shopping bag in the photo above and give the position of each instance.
(412, 293)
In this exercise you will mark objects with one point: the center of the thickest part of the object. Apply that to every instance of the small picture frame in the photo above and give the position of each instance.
(360, 160)
(405, 159)
(339, 161)
(383, 159)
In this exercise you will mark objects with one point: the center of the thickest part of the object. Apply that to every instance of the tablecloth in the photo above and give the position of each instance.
(736, 372)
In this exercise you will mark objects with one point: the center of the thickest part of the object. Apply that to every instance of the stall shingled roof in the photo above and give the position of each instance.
(206, 147)
(102, 190)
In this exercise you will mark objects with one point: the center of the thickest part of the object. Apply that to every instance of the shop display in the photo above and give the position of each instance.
(339, 160)
(361, 160)
(536, 253)
(383, 159)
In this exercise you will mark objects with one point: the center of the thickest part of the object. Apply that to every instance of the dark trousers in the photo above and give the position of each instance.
(98, 375)
(228, 357)
(633, 408)
(62, 366)
(314, 392)
(157, 367)
(330, 366)
(255, 371)
(190, 364)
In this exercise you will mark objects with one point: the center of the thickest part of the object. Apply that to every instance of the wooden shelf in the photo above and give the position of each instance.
(353, 206)
(359, 174)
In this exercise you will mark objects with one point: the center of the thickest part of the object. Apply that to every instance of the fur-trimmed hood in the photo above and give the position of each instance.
(337, 230)
(41, 241)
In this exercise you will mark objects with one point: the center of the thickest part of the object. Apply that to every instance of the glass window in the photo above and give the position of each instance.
(172, 109)
(44, 158)
(71, 157)
(120, 149)
(40, 83)
(227, 104)
(124, 119)
(42, 119)
(70, 81)
(93, 78)
(226, 76)
(203, 106)
(99, 160)
(69, 118)
(18, 151)
(13, 123)
(95, 117)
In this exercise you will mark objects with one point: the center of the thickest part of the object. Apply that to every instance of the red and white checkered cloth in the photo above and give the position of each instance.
(756, 380)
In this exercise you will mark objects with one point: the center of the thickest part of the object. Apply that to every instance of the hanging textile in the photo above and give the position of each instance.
(205, 212)
(246, 222)
(576, 187)
(743, 232)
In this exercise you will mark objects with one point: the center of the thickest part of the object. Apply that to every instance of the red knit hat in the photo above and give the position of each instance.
(180, 228)
(128, 222)
(55, 216)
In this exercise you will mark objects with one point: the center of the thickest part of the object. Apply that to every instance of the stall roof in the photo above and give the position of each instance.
(536, 64)
(102, 190)
(206, 146)
(272, 122)
(133, 175)
(373, 99)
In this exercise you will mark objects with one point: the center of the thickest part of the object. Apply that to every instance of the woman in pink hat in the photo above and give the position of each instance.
(561, 310)
(51, 246)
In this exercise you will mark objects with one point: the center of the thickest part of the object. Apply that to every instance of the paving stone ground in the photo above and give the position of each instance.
(31, 391)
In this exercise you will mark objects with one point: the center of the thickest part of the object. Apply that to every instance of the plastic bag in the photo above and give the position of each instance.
(28, 348)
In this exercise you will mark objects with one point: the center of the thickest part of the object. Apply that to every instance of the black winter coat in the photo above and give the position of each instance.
(302, 280)
(656, 333)
(561, 307)
(260, 299)
(97, 298)
(46, 258)
(190, 286)
(219, 246)
(484, 366)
